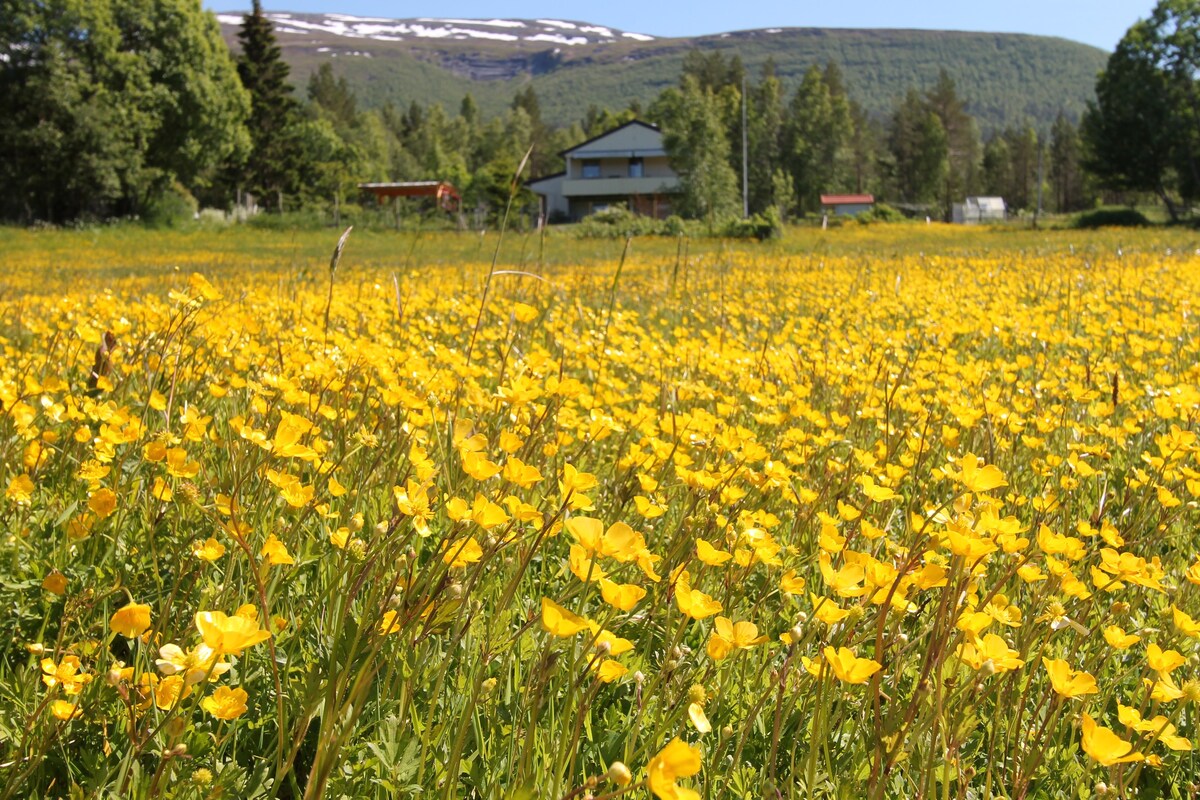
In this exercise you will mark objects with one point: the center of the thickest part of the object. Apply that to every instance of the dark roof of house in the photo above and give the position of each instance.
(532, 181)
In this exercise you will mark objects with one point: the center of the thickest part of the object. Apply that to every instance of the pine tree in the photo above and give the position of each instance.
(1066, 174)
(766, 133)
(333, 96)
(541, 158)
(962, 141)
(818, 137)
(919, 151)
(694, 137)
(273, 108)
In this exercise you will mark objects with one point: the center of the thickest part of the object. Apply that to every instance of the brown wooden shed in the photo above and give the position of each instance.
(448, 198)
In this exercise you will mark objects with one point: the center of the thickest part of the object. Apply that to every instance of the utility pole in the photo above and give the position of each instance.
(1038, 214)
(745, 157)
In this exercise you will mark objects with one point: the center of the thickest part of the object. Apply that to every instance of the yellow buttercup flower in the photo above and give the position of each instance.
(20, 489)
(991, 650)
(728, 636)
(103, 503)
(227, 635)
(1068, 682)
(826, 610)
(131, 621)
(55, 582)
(693, 602)
(65, 710)
(226, 703)
(524, 475)
(711, 555)
(1184, 622)
(1116, 636)
(209, 550)
(977, 478)
(698, 718)
(849, 668)
(1164, 662)
(789, 583)
(1104, 746)
(67, 674)
(170, 691)
(610, 670)
(623, 596)
(276, 552)
(559, 621)
(413, 501)
(676, 760)
(875, 493)
(461, 552)
(584, 566)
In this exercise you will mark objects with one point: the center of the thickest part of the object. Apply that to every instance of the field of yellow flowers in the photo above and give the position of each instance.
(905, 512)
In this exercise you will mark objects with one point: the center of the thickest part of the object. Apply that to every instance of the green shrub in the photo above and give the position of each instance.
(1112, 218)
(881, 212)
(618, 222)
(766, 225)
(675, 225)
(173, 207)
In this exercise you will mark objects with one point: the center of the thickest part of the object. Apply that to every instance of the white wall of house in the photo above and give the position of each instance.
(979, 209)
(626, 166)
(554, 203)
(631, 137)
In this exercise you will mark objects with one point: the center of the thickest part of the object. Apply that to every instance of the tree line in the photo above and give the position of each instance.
(925, 156)
(114, 107)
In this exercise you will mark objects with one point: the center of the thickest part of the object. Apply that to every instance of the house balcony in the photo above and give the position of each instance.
(619, 187)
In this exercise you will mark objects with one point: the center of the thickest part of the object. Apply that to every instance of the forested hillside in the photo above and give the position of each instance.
(1007, 78)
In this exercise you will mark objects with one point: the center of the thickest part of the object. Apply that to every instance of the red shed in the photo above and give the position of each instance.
(447, 196)
(846, 205)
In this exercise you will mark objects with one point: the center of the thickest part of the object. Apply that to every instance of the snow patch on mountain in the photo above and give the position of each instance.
(552, 31)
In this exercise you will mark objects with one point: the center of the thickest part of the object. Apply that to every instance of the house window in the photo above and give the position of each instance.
(591, 168)
(636, 170)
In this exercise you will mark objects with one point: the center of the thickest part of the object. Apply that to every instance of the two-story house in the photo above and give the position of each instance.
(626, 165)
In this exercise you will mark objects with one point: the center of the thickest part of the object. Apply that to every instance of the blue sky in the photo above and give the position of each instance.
(1097, 22)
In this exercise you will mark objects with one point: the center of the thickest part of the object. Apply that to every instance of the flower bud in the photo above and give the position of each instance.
(619, 774)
